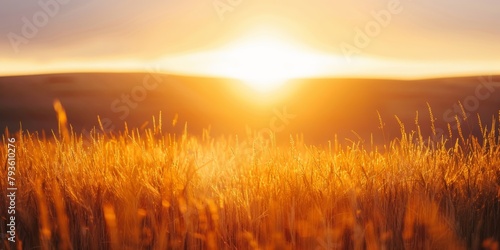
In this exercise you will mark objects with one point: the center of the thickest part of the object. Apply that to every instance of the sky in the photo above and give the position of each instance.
(390, 38)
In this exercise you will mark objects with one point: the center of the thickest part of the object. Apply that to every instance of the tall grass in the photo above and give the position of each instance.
(145, 189)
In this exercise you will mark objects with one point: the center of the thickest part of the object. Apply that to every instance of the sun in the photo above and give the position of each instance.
(265, 61)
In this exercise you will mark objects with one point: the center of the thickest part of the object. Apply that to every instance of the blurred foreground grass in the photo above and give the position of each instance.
(145, 189)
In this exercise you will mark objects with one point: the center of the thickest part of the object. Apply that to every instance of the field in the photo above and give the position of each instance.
(232, 124)
(149, 189)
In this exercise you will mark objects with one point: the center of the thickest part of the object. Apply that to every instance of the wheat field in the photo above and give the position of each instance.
(146, 189)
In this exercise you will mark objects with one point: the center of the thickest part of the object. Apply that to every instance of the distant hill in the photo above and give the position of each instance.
(317, 108)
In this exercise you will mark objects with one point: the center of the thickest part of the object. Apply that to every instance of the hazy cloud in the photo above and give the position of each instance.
(144, 30)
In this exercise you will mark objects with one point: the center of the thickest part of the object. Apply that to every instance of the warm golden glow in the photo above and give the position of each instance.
(263, 58)
(265, 61)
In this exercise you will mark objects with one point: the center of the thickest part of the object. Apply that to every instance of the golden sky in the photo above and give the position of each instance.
(245, 38)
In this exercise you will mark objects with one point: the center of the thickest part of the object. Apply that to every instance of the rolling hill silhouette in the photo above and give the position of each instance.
(315, 108)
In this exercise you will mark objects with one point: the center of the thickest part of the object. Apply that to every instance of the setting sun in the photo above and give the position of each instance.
(265, 61)
(230, 124)
(263, 64)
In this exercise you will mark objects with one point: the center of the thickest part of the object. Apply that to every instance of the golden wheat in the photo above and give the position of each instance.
(143, 189)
